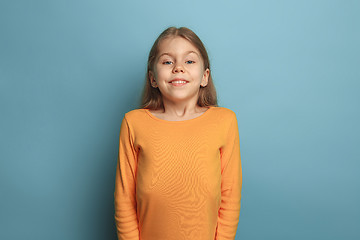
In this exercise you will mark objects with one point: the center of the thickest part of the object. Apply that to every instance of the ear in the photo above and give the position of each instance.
(205, 78)
(151, 76)
(152, 79)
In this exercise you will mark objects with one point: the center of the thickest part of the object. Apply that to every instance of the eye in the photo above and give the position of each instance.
(167, 62)
(190, 61)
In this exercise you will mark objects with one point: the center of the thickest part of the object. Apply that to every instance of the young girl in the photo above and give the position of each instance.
(178, 174)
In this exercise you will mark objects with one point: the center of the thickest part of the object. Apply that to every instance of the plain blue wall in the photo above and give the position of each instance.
(69, 70)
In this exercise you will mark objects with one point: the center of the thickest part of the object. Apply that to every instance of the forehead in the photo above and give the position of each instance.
(176, 46)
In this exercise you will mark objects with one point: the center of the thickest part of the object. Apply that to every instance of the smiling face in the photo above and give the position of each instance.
(178, 70)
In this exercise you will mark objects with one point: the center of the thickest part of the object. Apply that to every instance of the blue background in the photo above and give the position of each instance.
(69, 70)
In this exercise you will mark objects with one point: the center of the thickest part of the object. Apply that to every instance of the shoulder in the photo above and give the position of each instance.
(133, 118)
(225, 112)
(135, 115)
(226, 118)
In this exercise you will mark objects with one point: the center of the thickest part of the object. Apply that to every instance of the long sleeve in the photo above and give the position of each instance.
(231, 183)
(125, 186)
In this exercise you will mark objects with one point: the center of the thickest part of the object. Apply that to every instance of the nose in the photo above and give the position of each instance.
(178, 68)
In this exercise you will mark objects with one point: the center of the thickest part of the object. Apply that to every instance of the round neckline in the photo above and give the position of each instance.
(182, 121)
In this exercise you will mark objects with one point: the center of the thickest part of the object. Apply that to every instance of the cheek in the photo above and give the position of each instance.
(161, 70)
(199, 73)
(161, 74)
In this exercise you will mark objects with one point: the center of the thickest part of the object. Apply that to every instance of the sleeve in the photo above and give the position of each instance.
(125, 186)
(231, 183)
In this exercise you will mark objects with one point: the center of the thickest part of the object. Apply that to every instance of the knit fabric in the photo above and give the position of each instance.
(178, 180)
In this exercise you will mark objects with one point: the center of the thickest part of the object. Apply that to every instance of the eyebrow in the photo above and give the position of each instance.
(186, 53)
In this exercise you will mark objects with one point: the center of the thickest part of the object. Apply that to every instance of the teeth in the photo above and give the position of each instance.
(178, 82)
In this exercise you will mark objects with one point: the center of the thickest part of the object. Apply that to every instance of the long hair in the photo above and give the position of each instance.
(151, 97)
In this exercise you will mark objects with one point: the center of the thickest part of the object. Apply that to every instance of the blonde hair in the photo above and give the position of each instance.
(151, 97)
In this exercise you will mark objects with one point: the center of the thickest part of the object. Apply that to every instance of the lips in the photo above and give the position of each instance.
(179, 80)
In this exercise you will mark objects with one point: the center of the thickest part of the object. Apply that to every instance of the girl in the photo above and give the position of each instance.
(178, 174)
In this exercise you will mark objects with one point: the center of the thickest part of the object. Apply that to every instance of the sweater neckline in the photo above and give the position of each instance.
(177, 122)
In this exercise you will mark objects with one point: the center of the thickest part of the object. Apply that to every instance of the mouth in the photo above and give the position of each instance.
(178, 82)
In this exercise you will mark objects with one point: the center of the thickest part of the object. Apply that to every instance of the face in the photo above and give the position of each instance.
(178, 70)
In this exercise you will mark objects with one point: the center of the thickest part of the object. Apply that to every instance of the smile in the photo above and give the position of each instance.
(178, 83)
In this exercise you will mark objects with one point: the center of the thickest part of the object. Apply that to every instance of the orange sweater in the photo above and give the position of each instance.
(178, 180)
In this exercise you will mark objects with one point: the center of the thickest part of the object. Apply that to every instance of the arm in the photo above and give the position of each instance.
(231, 183)
(125, 186)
